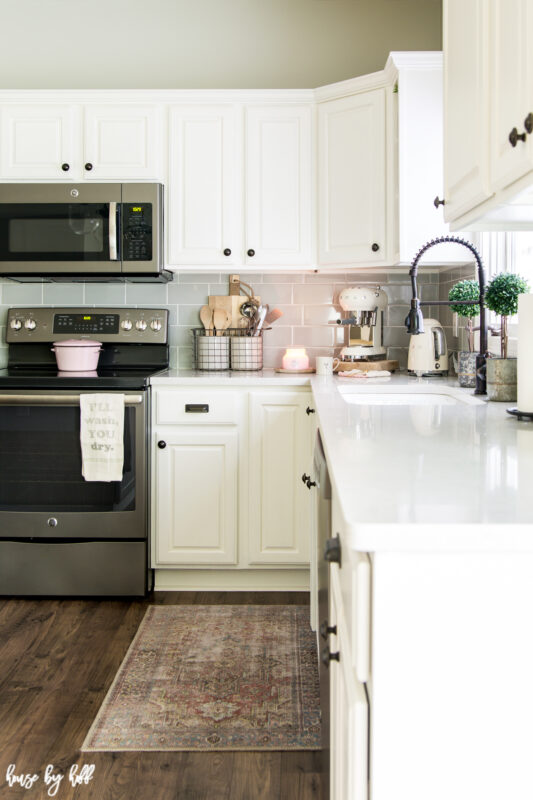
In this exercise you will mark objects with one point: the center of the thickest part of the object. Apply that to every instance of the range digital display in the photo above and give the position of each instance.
(86, 323)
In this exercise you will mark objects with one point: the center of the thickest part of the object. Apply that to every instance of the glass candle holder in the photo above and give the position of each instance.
(295, 358)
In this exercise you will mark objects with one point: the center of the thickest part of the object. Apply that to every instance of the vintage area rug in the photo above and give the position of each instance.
(214, 678)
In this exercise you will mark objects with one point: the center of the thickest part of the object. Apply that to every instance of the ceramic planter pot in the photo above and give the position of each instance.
(501, 379)
(465, 366)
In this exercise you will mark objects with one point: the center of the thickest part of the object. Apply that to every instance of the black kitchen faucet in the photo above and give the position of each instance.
(414, 321)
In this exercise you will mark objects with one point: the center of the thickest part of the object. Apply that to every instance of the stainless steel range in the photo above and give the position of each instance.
(59, 534)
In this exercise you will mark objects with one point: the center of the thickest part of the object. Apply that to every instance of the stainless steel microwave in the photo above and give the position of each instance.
(83, 231)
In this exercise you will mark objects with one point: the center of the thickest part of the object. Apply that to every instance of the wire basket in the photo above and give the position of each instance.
(233, 348)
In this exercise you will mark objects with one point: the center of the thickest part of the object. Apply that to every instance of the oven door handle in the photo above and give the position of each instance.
(57, 399)
(113, 242)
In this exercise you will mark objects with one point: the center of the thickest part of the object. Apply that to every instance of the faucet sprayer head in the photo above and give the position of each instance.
(414, 321)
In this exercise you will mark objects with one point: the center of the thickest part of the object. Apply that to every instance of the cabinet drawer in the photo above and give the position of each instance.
(196, 407)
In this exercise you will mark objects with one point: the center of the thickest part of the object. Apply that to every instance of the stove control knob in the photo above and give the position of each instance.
(141, 324)
(126, 325)
(155, 324)
(30, 324)
(15, 324)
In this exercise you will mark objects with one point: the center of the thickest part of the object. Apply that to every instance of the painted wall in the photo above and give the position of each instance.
(147, 44)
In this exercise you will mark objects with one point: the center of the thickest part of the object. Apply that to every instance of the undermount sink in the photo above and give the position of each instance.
(405, 396)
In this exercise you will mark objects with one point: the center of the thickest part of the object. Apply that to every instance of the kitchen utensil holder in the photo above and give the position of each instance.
(233, 348)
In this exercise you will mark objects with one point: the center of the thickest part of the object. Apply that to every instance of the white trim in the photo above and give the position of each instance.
(233, 580)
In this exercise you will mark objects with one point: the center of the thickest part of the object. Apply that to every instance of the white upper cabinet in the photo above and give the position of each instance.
(511, 31)
(352, 179)
(71, 142)
(37, 142)
(204, 169)
(121, 142)
(488, 73)
(240, 185)
(278, 194)
(466, 118)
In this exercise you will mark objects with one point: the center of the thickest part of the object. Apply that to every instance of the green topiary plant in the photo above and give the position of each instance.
(502, 298)
(466, 290)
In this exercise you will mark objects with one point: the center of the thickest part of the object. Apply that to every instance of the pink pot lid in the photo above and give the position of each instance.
(78, 343)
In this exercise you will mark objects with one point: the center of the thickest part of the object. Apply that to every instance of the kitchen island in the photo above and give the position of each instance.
(432, 501)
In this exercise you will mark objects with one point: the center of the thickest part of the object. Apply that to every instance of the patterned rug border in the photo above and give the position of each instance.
(151, 609)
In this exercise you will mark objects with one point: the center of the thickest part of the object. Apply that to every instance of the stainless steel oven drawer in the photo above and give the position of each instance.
(73, 568)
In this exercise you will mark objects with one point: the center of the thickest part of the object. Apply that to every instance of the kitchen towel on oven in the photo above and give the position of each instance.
(102, 436)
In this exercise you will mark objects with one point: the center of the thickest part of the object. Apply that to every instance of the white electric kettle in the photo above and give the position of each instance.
(428, 352)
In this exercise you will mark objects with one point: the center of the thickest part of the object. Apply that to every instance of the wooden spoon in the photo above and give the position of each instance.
(221, 319)
(206, 318)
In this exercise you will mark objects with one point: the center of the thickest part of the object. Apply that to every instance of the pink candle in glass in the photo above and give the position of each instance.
(295, 358)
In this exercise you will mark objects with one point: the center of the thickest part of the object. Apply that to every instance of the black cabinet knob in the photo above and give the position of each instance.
(326, 656)
(65, 167)
(88, 166)
(437, 202)
(305, 478)
(161, 444)
(310, 483)
(375, 247)
(332, 550)
(227, 251)
(326, 629)
(528, 123)
(251, 253)
(515, 137)
(309, 410)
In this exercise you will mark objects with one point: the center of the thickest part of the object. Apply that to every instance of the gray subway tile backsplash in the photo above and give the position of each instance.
(309, 302)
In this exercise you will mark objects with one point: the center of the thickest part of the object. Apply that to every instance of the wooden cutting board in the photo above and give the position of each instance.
(389, 364)
(232, 304)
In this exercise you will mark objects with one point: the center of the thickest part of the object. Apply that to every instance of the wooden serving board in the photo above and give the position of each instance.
(232, 304)
(389, 364)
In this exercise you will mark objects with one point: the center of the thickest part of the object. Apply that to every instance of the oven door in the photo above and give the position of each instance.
(42, 491)
(61, 228)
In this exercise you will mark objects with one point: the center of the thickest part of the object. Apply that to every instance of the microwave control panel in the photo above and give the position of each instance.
(137, 232)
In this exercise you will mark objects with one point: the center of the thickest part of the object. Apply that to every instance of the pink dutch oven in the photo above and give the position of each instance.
(77, 355)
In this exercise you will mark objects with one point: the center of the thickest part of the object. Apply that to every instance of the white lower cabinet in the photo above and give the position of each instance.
(227, 485)
(349, 713)
(196, 497)
(279, 504)
(433, 691)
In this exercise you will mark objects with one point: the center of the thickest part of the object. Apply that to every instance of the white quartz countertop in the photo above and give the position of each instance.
(427, 477)
(263, 377)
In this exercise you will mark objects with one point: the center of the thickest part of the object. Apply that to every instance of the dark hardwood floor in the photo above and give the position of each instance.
(57, 660)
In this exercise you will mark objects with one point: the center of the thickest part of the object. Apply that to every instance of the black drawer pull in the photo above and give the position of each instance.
(197, 408)
(326, 629)
(332, 550)
(326, 656)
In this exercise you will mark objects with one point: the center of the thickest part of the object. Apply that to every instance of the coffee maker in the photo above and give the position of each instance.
(365, 335)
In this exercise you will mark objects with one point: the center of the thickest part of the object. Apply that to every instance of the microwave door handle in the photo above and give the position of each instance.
(113, 242)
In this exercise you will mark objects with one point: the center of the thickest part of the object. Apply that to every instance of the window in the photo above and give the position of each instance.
(506, 252)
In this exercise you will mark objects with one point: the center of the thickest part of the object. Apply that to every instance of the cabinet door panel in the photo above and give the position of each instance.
(511, 78)
(352, 179)
(196, 497)
(121, 142)
(279, 503)
(203, 178)
(466, 106)
(36, 141)
(349, 710)
(278, 184)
